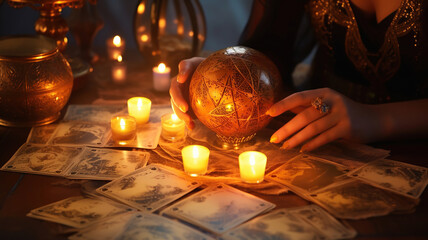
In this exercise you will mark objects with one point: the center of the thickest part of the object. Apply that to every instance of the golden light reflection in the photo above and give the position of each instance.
(141, 8)
(117, 41)
(144, 38)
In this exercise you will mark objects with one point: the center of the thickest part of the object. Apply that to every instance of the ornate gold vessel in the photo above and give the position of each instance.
(35, 81)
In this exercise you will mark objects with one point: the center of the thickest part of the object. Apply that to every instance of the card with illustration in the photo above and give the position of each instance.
(41, 134)
(306, 174)
(108, 229)
(80, 133)
(106, 164)
(323, 222)
(355, 199)
(100, 114)
(151, 226)
(218, 208)
(42, 159)
(77, 211)
(278, 224)
(399, 177)
(149, 188)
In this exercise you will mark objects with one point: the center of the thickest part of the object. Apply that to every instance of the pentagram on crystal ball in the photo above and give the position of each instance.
(231, 91)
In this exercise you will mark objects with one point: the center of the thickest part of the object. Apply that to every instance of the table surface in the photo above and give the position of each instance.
(20, 193)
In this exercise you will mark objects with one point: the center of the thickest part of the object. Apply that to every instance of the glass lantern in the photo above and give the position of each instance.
(169, 31)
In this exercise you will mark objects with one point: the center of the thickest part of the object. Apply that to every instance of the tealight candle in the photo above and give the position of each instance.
(161, 77)
(115, 47)
(252, 165)
(195, 159)
(173, 128)
(118, 70)
(139, 108)
(123, 129)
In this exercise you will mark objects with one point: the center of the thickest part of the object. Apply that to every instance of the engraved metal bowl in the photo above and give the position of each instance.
(35, 81)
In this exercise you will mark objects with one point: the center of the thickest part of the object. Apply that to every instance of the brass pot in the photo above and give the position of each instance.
(35, 81)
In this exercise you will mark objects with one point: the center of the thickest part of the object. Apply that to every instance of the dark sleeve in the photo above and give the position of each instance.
(273, 28)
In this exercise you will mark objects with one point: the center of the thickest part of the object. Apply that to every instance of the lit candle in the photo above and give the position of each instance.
(123, 129)
(161, 78)
(118, 70)
(115, 47)
(195, 159)
(139, 108)
(252, 165)
(173, 128)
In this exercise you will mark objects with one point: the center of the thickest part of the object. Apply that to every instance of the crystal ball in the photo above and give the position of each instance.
(231, 90)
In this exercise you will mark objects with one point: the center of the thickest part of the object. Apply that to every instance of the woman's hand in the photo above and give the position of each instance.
(179, 89)
(345, 119)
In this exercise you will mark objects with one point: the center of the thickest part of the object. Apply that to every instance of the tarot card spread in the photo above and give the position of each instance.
(306, 174)
(149, 188)
(93, 113)
(402, 178)
(354, 199)
(278, 224)
(218, 208)
(77, 211)
(106, 164)
(42, 159)
(80, 133)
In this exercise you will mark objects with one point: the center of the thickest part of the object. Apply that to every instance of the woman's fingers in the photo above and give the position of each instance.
(182, 115)
(176, 93)
(187, 67)
(325, 137)
(299, 122)
(296, 100)
(310, 131)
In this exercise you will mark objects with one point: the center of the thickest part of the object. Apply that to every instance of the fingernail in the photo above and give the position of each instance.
(273, 139)
(303, 149)
(182, 108)
(285, 145)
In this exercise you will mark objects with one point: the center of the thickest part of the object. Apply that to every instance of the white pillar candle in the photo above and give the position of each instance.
(252, 165)
(195, 159)
(115, 47)
(139, 107)
(161, 77)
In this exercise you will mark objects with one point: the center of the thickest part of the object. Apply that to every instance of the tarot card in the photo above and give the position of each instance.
(77, 211)
(306, 174)
(151, 226)
(100, 114)
(149, 188)
(354, 199)
(107, 229)
(42, 134)
(42, 159)
(218, 208)
(399, 177)
(327, 225)
(278, 224)
(80, 133)
(106, 164)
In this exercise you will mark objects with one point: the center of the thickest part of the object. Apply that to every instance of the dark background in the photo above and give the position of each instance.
(225, 21)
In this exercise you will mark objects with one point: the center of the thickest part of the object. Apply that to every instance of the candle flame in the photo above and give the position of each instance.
(174, 117)
(252, 160)
(139, 104)
(117, 41)
(119, 58)
(122, 124)
(161, 67)
(195, 152)
(144, 38)
(141, 8)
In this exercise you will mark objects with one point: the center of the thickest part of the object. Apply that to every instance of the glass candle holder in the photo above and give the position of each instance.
(123, 129)
(173, 128)
(139, 108)
(252, 165)
(195, 159)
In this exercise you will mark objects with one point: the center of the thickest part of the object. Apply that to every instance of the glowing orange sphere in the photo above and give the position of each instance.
(231, 91)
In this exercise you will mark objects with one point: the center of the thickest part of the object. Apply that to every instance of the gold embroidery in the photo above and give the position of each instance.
(406, 19)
